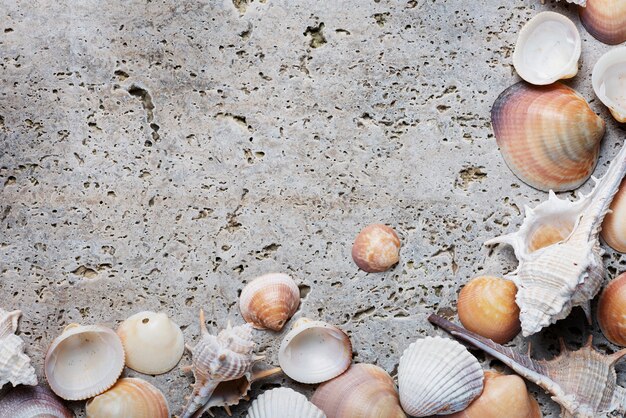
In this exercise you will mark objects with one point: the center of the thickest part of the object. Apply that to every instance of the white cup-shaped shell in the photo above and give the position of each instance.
(153, 343)
(130, 397)
(547, 49)
(609, 81)
(84, 361)
(269, 301)
(283, 403)
(314, 352)
(438, 376)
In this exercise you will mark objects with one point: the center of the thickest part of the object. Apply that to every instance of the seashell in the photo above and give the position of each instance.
(547, 49)
(314, 352)
(487, 307)
(283, 403)
(31, 402)
(612, 311)
(605, 20)
(130, 397)
(153, 343)
(376, 248)
(614, 225)
(609, 80)
(15, 367)
(583, 382)
(269, 301)
(548, 135)
(363, 391)
(84, 361)
(438, 376)
(502, 396)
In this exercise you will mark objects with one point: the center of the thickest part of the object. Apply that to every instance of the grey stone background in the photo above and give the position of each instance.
(160, 154)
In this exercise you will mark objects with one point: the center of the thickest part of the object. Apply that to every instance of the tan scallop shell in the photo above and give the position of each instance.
(15, 367)
(609, 81)
(363, 391)
(612, 310)
(376, 248)
(614, 225)
(548, 135)
(84, 361)
(269, 301)
(130, 397)
(153, 342)
(32, 402)
(605, 20)
(283, 403)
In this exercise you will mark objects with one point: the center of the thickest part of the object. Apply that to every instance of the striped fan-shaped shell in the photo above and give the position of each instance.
(269, 301)
(438, 376)
(130, 397)
(605, 20)
(283, 403)
(29, 402)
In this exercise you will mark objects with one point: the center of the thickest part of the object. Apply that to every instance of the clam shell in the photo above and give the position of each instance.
(548, 135)
(363, 391)
(376, 248)
(269, 301)
(314, 352)
(612, 311)
(605, 20)
(84, 361)
(153, 342)
(283, 403)
(547, 49)
(15, 367)
(438, 376)
(609, 81)
(614, 225)
(130, 397)
(30, 402)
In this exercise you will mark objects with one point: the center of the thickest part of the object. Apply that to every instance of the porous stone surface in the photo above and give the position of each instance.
(158, 155)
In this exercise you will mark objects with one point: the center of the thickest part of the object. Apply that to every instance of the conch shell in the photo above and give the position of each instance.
(29, 402)
(15, 367)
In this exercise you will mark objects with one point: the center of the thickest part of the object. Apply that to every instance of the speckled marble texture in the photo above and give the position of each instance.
(160, 154)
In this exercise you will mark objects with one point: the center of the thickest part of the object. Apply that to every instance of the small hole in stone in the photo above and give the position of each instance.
(145, 320)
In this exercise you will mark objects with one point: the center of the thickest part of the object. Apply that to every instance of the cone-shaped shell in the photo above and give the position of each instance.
(30, 402)
(376, 248)
(609, 81)
(547, 49)
(605, 20)
(84, 361)
(269, 301)
(548, 135)
(283, 403)
(363, 391)
(614, 225)
(15, 367)
(612, 311)
(314, 352)
(153, 343)
(129, 397)
(438, 376)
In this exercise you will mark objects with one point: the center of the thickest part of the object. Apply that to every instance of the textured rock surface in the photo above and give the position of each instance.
(160, 154)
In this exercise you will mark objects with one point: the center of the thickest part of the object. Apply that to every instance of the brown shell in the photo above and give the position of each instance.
(612, 311)
(376, 248)
(605, 20)
(614, 225)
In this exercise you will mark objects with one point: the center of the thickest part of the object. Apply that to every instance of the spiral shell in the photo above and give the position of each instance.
(609, 81)
(269, 301)
(30, 402)
(129, 397)
(548, 135)
(283, 403)
(376, 248)
(612, 310)
(605, 20)
(15, 367)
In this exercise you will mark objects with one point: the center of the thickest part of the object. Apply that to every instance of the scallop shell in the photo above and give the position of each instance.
(363, 391)
(153, 342)
(438, 376)
(547, 49)
(612, 310)
(314, 352)
(30, 402)
(614, 225)
(283, 403)
(84, 361)
(269, 301)
(548, 135)
(605, 20)
(15, 367)
(609, 81)
(376, 248)
(130, 397)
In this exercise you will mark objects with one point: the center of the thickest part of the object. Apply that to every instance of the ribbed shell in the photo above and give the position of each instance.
(15, 367)
(283, 403)
(30, 402)
(548, 135)
(363, 391)
(605, 20)
(130, 397)
(438, 376)
(269, 301)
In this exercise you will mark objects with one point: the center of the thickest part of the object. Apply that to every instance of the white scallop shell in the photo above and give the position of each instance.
(153, 343)
(84, 361)
(438, 376)
(547, 49)
(283, 403)
(15, 367)
(609, 81)
(314, 352)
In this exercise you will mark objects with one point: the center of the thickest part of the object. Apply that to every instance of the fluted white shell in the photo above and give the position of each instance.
(283, 403)
(314, 352)
(15, 367)
(153, 343)
(438, 376)
(547, 49)
(609, 81)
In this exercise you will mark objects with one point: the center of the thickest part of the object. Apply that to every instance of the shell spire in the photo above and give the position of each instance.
(15, 367)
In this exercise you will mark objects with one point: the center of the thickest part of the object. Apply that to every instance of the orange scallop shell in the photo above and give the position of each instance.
(612, 311)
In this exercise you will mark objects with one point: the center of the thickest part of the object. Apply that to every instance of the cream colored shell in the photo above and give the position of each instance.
(269, 301)
(129, 398)
(283, 403)
(15, 367)
(609, 81)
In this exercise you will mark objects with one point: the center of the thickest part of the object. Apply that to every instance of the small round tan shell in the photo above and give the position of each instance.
(438, 376)
(130, 397)
(614, 225)
(376, 248)
(612, 311)
(84, 361)
(605, 20)
(283, 403)
(30, 402)
(269, 301)
(609, 81)
(153, 343)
